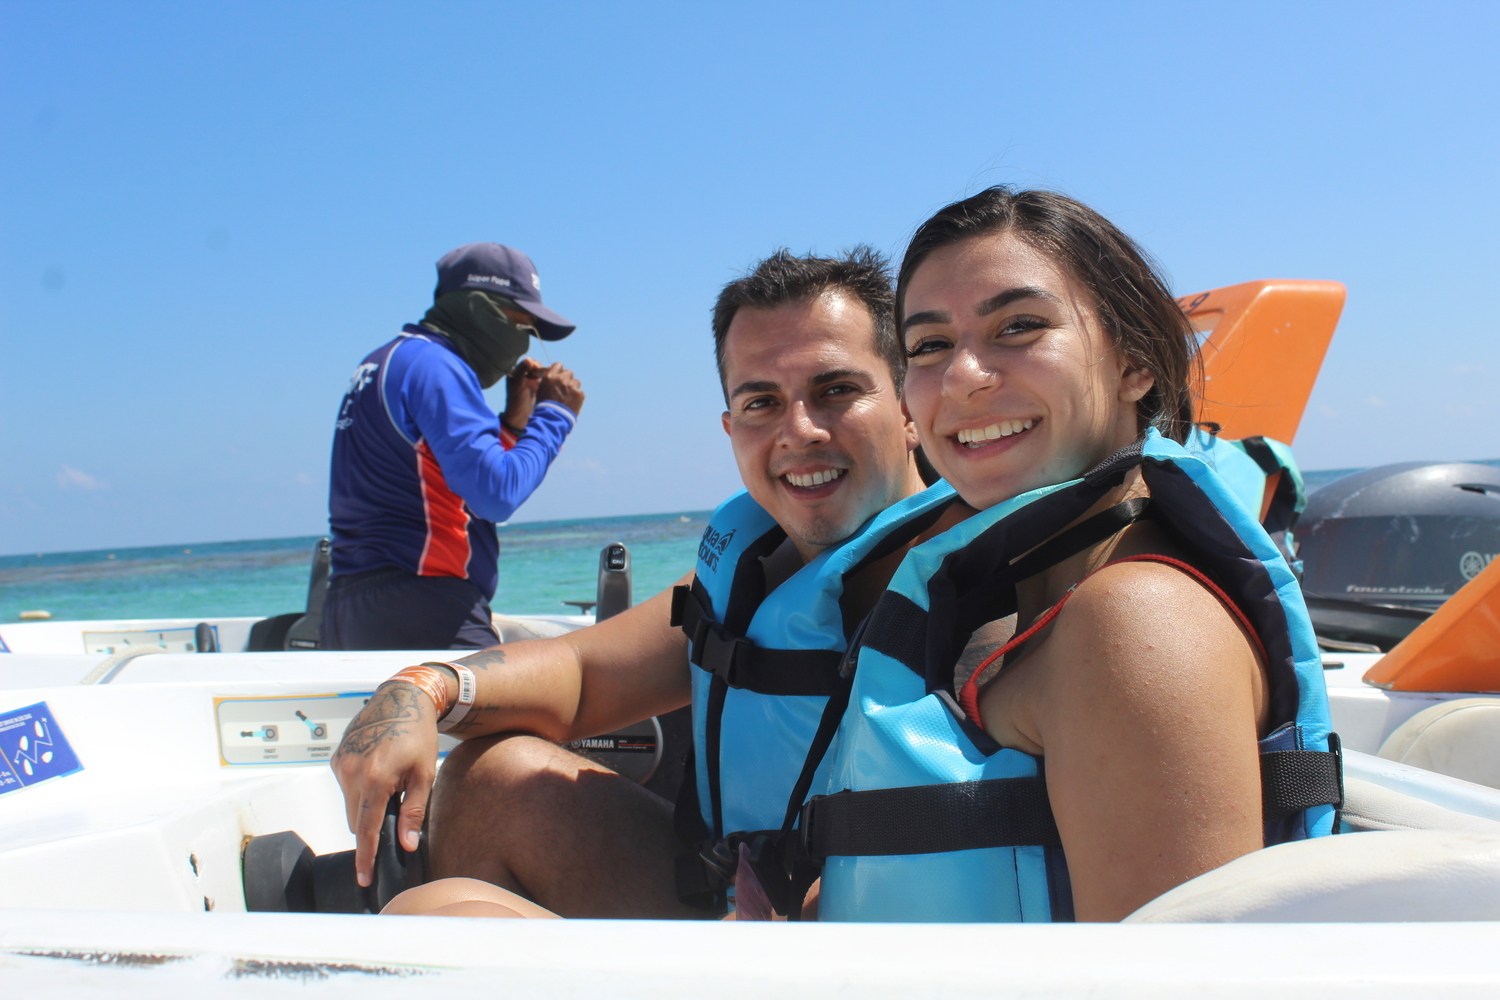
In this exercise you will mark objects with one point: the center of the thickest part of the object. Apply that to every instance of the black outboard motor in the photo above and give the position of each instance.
(1383, 548)
(653, 752)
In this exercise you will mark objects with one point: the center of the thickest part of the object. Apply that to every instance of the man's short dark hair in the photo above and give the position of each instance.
(784, 278)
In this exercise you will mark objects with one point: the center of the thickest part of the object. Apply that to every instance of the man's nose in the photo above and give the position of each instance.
(802, 426)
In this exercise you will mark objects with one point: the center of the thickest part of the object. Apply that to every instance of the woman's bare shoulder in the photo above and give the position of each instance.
(1144, 630)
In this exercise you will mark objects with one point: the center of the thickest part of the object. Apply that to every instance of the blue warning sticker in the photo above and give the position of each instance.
(33, 748)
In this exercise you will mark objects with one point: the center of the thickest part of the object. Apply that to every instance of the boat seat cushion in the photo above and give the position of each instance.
(1371, 806)
(1458, 738)
(1408, 875)
(514, 629)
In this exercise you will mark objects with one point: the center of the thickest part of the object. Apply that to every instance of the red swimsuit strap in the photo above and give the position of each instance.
(968, 696)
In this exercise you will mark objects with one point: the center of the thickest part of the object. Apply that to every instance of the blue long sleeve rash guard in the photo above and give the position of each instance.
(421, 471)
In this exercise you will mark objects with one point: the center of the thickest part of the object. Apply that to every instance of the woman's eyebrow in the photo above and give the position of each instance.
(1006, 298)
(989, 305)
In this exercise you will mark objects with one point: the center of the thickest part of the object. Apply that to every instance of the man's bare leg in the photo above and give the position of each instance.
(463, 897)
(572, 835)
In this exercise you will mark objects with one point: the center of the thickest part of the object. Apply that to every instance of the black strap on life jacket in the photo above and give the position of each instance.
(1281, 512)
(740, 663)
(1294, 780)
(1012, 812)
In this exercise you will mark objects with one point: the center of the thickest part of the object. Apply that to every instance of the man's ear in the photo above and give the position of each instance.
(1135, 383)
(724, 419)
(911, 428)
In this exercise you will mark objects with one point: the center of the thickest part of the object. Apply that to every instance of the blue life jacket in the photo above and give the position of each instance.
(929, 818)
(764, 663)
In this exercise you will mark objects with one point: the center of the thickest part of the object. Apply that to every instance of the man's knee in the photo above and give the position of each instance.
(482, 780)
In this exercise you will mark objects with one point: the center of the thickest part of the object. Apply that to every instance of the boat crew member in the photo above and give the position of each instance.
(1154, 670)
(422, 469)
(810, 368)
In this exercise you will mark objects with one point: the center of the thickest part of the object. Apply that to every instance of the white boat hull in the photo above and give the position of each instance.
(125, 875)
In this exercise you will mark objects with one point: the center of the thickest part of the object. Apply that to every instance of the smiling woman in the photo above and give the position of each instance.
(1150, 642)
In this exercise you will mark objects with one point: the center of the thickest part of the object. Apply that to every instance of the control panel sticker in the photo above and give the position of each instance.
(33, 748)
(165, 640)
(284, 729)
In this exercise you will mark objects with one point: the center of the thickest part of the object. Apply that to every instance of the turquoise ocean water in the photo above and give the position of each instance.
(542, 564)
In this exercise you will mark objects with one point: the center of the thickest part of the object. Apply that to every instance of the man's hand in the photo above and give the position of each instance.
(520, 394)
(561, 385)
(389, 747)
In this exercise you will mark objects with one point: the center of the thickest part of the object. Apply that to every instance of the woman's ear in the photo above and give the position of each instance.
(1135, 383)
(911, 428)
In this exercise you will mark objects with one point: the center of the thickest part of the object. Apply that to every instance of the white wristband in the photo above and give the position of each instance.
(468, 688)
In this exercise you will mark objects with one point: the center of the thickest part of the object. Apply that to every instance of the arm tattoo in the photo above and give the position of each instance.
(484, 659)
(466, 724)
(388, 715)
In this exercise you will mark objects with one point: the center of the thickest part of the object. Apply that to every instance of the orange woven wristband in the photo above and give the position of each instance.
(430, 681)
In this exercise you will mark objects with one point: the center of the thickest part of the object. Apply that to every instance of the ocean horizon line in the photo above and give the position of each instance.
(281, 540)
(1315, 477)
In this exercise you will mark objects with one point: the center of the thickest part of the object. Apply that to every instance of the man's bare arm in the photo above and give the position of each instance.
(585, 683)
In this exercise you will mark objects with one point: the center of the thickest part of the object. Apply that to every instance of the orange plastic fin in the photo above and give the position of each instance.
(1457, 649)
(1263, 343)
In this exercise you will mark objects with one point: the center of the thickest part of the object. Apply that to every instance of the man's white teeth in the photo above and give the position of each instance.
(975, 436)
(813, 478)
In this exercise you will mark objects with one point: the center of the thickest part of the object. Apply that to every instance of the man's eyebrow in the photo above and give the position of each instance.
(822, 378)
(839, 374)
(745, 387)
(989, 305)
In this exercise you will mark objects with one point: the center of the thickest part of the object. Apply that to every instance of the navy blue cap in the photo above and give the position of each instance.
(494, 267)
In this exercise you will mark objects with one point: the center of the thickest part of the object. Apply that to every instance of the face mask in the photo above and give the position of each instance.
(484, 336)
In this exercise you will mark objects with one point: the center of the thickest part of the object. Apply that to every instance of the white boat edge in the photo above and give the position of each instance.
(69, 873)
(44, 952)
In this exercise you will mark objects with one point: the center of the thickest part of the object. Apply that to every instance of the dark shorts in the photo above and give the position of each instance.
(394, 609)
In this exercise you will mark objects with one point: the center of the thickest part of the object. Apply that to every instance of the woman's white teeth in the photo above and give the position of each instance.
(813, 478)
(975, 436)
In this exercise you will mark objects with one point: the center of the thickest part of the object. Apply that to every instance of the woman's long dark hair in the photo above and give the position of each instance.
(1131, 299)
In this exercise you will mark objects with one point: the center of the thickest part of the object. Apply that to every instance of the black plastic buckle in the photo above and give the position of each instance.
(720, 654)
(689, 616)
(799, 849)
(721, 859)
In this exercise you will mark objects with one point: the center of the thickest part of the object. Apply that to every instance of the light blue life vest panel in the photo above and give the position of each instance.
(928, 833)
(765, 663)
(1263, 474)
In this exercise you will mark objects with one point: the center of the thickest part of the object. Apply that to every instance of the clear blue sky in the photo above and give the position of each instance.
(211, 211)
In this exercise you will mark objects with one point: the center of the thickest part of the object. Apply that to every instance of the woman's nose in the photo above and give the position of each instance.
(968, 373)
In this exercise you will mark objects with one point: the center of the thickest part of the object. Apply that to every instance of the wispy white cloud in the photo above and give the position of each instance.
(588, 466)
(1378, 402)
(69, 478)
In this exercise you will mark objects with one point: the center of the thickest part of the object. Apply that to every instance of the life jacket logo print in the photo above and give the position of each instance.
(1471, 564)
(711, 547)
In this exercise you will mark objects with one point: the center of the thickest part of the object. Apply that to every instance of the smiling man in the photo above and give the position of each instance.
(810, 366)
